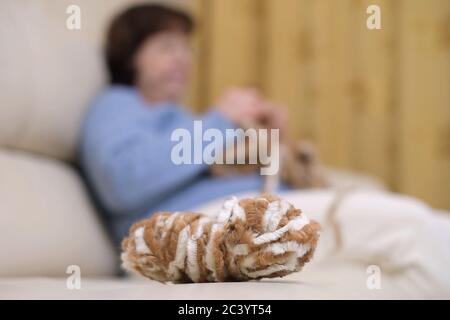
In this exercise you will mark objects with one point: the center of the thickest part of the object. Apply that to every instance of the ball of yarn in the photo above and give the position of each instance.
(262, 237)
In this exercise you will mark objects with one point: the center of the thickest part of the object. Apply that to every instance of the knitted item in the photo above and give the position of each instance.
(299, 166)
(263, 237)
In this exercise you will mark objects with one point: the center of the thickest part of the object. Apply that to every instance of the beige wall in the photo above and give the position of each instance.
(375, 101)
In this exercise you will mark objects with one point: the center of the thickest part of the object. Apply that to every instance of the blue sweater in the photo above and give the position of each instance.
(125, 153)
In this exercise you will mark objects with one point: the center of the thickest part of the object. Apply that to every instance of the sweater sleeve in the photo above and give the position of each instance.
(129, 160)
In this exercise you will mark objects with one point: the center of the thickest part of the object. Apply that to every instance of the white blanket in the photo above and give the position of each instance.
(399, 236)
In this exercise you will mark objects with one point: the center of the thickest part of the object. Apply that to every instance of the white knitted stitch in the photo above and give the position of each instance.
(240, 250)
(289, 246)
(180, 253)
(273, 214)
(192, 268)
(295, 224)
(280, 248)
(226, 210)
(209, 255)
(168, 224)
(238, 213)
(141, 246)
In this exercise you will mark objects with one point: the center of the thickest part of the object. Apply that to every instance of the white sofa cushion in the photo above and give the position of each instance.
(48, 77)
(47, 222)
(50, 73)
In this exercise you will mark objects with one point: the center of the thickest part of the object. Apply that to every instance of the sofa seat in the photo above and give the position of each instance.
(47, 220)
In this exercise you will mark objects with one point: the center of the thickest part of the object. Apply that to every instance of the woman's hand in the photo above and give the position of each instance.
(247, 107)
(242, 106)
(276, 116)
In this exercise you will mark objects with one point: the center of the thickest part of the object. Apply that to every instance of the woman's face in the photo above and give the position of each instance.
(163, 65)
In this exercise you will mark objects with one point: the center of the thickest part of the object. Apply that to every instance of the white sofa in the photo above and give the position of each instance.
(47, 221)
(49, 74)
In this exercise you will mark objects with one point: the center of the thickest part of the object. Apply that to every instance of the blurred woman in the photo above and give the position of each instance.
(125, 143)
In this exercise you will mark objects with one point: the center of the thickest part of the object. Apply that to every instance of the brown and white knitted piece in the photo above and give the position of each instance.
(254, 238)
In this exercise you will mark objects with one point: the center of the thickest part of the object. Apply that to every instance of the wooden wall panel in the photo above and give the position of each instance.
(375, 101)
(332, 58)
(424, 117)
(233, 45)
(196, 97)
(372, 88)
(286, 68)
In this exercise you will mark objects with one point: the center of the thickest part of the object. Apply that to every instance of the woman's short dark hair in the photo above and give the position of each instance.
(131, 28)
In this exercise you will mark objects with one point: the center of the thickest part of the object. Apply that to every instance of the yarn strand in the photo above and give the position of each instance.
(248, 239)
